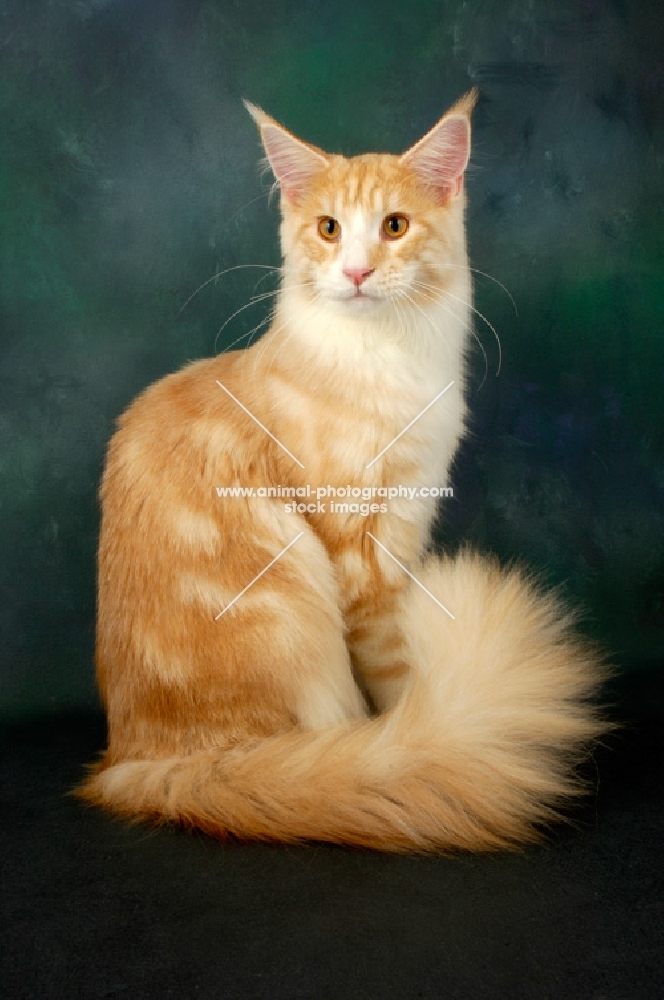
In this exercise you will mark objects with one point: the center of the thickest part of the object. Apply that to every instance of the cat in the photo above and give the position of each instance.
(287, 672)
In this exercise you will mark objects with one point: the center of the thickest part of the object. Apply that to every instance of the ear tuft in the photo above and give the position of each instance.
(294, 163)
(466, 104)
(256, 113)
(440, 158)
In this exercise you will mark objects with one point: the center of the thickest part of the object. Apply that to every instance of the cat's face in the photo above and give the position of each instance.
(366, 235)
(374, 231)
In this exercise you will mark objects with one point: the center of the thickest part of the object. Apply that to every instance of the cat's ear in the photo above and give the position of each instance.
(440, 158)
(294, 163)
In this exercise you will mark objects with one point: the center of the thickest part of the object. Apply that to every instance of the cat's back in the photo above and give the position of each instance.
(166, 433)
(180, 396)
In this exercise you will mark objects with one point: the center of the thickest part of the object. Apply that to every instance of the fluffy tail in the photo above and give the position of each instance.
(480, 752)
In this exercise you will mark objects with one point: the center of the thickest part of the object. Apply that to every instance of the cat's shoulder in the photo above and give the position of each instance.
(183, 394)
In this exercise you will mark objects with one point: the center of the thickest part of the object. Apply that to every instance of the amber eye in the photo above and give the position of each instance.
(395, 226)
(329, 229)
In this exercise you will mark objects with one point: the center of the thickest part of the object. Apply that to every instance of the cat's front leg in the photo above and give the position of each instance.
(377, 652)
(373, 585)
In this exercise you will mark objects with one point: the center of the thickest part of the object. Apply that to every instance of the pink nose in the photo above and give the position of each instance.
(358, 274)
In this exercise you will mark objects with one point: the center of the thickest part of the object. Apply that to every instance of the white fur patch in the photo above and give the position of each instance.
(213, 597)
(168, 668)
(331, 702)
(195, 530)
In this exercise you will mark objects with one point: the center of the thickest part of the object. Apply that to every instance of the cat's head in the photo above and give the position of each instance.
(377, 230)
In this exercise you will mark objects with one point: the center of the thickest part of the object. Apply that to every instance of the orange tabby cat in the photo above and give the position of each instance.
(336, 698)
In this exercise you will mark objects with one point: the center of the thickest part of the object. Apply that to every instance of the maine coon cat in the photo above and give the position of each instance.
(336, 698)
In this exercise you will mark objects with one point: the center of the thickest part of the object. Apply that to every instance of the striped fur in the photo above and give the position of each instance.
(335, 700)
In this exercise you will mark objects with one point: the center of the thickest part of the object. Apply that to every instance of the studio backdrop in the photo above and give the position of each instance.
(131, 201)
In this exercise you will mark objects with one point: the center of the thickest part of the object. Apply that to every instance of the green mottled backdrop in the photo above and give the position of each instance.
(128, 178)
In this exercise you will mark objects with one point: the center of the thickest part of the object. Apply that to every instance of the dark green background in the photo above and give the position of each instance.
(128, 177)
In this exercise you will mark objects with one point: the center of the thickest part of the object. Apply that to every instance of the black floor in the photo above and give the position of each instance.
(93, 908)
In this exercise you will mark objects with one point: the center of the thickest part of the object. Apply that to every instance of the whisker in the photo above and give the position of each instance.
(476, 270)
(220, 274)
(468, 305)
(262, 347)
(244, 336)
(411, 300)
(253, 201)
(394, 299)
(268, 319)
(472, 331)
(448, 309)
(270, 274)
(488, 323)
(252, 302)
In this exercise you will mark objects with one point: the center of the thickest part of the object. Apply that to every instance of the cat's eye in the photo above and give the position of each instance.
(395, 226)
(329, 229)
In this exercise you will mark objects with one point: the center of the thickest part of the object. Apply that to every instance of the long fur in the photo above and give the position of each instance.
(479, 753)
(335, 699)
